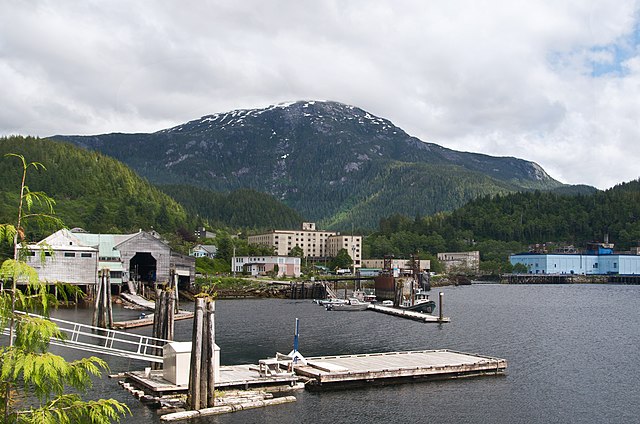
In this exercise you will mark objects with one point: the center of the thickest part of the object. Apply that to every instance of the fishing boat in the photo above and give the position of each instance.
(352, 304)
(421, 303)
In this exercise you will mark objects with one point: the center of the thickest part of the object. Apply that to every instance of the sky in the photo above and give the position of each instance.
(556, 82)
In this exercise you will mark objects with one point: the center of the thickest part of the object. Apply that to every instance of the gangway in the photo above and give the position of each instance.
(109, 342)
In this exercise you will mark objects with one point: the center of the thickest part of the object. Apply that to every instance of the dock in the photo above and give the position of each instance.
(404, 313)
(242, 377)
(393, 367)
(148, 320)
(336, 371)
(138, 300)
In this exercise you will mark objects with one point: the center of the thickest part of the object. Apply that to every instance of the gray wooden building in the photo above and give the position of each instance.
(75, 257)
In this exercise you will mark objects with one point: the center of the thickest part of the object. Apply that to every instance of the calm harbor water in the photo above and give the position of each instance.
(573, 353)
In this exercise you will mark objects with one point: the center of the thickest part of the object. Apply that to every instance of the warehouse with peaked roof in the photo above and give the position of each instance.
(76, 257)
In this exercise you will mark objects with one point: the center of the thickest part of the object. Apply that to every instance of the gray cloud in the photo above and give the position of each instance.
(508, 78)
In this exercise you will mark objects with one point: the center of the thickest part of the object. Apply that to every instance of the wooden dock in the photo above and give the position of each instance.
(393, 367)
(231, 377)
(399, 312)
(148, 320)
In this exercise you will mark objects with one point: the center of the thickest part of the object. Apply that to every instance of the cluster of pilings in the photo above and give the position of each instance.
(163, 317)
(308, 290)
(202, 370)
(103, 312)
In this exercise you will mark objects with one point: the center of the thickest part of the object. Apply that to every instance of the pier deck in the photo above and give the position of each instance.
(394, 366)
(404, 313)
(148, 320)
(231, 377)
(346, 370)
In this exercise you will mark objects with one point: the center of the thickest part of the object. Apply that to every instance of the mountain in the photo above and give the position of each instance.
(91, 190)
(333, 163)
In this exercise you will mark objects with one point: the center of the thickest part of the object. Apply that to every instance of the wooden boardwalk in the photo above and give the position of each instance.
(396, 366)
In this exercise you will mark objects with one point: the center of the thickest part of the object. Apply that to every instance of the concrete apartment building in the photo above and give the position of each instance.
(315, 244)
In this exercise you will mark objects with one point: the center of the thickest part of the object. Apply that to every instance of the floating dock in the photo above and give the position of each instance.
(404, 313)
(346, 370)
(231, 377)
(393, 367)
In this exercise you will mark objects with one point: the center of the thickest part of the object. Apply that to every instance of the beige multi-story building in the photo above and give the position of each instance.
(460, 261)
(314, 243)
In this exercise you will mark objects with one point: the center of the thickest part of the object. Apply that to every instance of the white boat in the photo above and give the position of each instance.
(330, 301)
(352, 304)
(364, 296)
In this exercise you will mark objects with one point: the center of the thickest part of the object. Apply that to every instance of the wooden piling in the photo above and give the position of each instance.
(163, 319)
(211, 343)
(440, 313)
(202, 371)
(103, 308)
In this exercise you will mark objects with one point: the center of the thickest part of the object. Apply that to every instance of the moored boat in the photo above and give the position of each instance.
(422, 303)
(330, 301)
(352, 304)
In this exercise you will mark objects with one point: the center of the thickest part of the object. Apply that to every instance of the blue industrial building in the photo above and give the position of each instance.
(598, 259)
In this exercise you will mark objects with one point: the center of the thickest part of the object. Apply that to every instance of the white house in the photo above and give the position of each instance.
(203, 251)
(287, 266)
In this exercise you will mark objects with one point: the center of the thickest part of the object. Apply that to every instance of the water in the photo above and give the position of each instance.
(572, 350)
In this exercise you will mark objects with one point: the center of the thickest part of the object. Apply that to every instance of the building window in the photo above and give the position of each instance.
(85, 255)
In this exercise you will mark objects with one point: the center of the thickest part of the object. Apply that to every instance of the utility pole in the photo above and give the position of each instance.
(233, 260)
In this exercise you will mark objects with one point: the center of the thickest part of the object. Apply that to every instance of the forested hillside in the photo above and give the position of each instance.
(92, 191)
(503, 224)
(241, 209)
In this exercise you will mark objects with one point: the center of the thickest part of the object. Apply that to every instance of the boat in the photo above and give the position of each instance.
(365, 296)
(352, 304)
(422, 303)
(330, 301)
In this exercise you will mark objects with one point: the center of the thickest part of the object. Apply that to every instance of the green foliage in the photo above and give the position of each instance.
(205, 266)
(341, 261)
(33, 381)
(501, 225)
(332, 163)
(239, 209)
(296, 251)
(95, 192)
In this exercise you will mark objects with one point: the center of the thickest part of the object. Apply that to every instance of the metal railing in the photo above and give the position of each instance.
(109, 342)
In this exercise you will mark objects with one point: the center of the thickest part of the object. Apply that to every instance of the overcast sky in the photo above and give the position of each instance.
(552, 81)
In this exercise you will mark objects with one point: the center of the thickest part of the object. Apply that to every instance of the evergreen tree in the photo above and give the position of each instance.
(342, 260)
(34, 383)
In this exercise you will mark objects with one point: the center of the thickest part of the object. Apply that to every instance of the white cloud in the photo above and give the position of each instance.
(508, 78)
